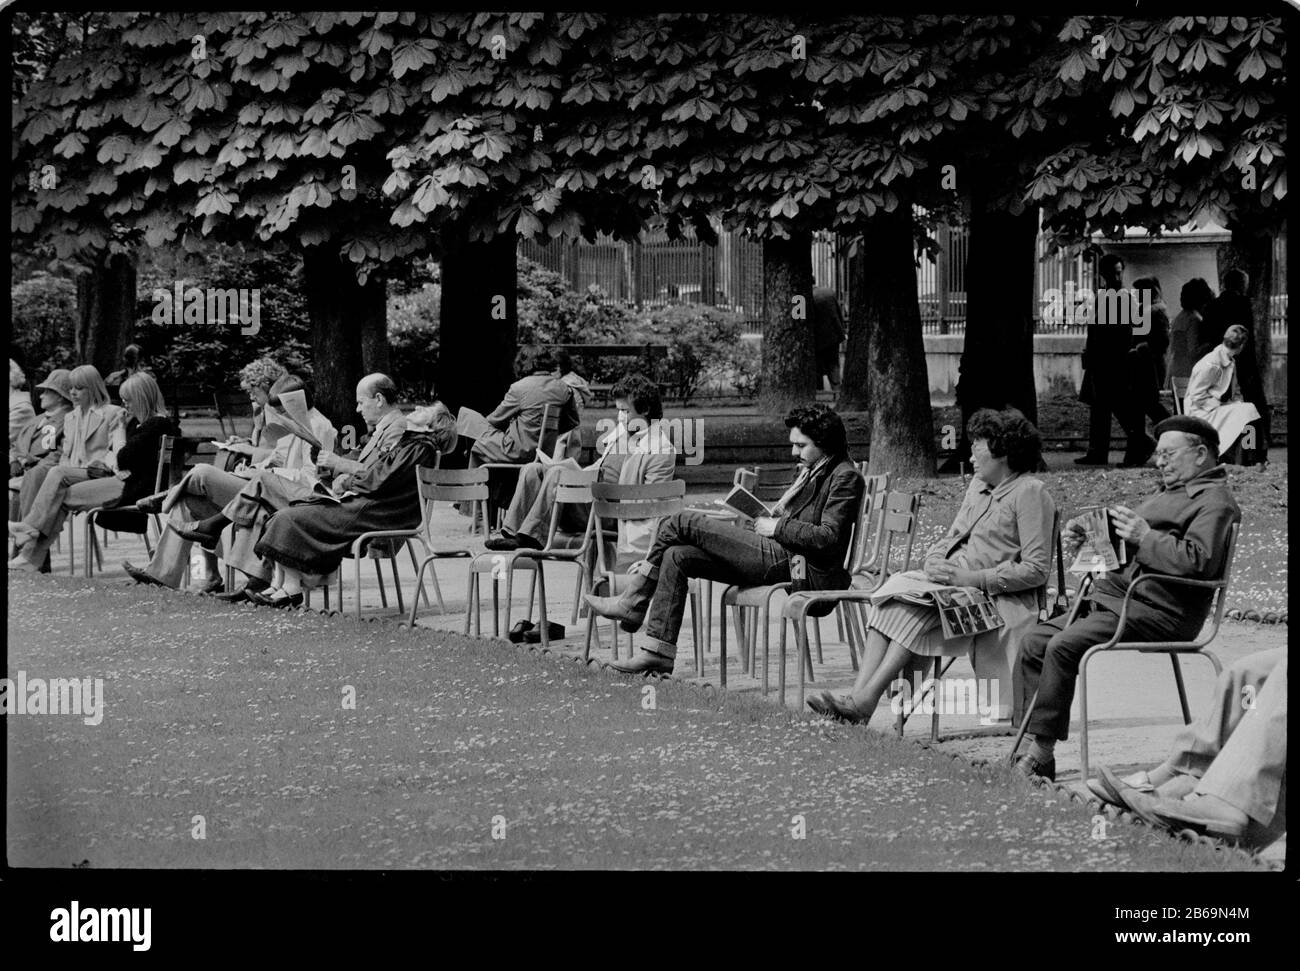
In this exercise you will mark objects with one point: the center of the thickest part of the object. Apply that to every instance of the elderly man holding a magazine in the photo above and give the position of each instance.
(978, 591)
(1182, 530)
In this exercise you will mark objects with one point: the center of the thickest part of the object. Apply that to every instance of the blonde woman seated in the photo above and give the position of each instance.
(127, 471)
(1000, 543)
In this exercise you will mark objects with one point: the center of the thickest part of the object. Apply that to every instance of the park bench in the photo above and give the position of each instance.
(651, 354)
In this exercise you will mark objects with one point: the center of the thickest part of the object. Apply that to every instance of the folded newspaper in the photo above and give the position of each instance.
(963, 611)
(1102, 549)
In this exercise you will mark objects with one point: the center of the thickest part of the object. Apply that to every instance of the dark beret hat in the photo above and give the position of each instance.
(1192, 426)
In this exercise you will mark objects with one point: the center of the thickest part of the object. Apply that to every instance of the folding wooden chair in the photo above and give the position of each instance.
(898, 524)
(653, 500)
(574, 488)
(1197, 647)
(942, 664)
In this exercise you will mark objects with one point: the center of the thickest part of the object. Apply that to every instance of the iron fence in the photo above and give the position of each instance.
(656, 271)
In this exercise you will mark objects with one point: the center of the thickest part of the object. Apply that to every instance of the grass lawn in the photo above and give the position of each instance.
(237, 715)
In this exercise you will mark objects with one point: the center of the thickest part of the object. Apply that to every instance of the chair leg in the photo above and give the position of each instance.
(934, 716)
(1182, 689)
(1083, 716)
(532, 589)
(496, 606)
(817, 635)
(397, 585)
(419, 586)
(539, 582)
(780, 659)
(1024, 725)
(722, 640)
(707, 589)
(383, 593)
(469, 597)
(356, 575)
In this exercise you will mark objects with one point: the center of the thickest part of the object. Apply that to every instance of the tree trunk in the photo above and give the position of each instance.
(902, 433)
(789, 369)
(106, 306)
(1251, 250)
(997, 361)
(349, 336)
(479, 321)
(855, 390)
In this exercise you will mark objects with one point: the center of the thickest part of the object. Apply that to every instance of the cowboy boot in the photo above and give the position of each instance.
(629, 607)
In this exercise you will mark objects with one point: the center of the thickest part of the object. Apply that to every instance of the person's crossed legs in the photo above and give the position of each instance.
(687, 545)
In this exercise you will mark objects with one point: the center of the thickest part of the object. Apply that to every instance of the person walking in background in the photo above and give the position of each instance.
(1106, 371)
(132, 363)
(1147, 356)
(1185, 331)
(1233, 307)
(828, 334)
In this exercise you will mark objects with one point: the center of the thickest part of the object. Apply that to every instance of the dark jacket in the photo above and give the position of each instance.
(139, 456)
(819, 520)
(314, 535)
(1188, 538)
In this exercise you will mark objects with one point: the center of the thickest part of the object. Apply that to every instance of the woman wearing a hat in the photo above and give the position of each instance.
(40, 441)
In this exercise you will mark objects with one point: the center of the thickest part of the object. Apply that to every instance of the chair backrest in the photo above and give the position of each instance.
(747, 478)
(574, 488)
(546, 438)
(1221, 594)
(1179, 387)
(233, 409)
(898, 525)
(451, 485)
(652, 500)
(865, 550)
(1055, 557)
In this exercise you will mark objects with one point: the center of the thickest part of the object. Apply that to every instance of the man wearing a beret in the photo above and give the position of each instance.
(1182, 530)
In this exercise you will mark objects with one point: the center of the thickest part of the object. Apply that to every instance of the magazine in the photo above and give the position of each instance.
(963, 611)
(744, 501)
(1102, 549)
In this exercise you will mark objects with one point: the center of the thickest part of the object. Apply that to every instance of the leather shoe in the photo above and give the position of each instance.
(1031, 768)
(1144, 804)
(141, 576)
(828, 705)
(191, 532)
(1205, 814)
(644, 663)
(151, 504)
(554, 632)
(499, 542)
(210, 587)
(1108, 786)
(280, 601)
(628, 608)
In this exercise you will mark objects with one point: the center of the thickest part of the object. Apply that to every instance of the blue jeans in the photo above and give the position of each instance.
(690, 544)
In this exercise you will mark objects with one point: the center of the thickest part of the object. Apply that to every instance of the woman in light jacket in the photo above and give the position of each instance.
(1000, 543)
(93, 433)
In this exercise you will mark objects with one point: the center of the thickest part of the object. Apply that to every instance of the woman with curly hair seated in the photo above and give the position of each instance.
(1000, 543)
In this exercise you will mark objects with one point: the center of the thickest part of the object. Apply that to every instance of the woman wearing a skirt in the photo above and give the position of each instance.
(1000, 542)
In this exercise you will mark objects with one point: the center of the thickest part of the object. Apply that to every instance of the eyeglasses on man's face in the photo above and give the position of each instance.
(1164, 454)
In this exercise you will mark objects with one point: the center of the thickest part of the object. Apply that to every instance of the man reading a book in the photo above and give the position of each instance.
(1182, 530)
(636, 452)
(814, 519)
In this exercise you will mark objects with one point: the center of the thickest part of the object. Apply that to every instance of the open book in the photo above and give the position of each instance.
(1102, 549)
(963, 611)
(744, 501)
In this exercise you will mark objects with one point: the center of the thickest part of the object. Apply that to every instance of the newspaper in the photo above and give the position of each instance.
(963, 611)
(1102, 549)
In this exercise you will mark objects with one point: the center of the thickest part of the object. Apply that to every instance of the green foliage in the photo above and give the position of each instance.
(701, 341)
(413, 339)
(44, 310)
(212, 355)
(551, 313)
